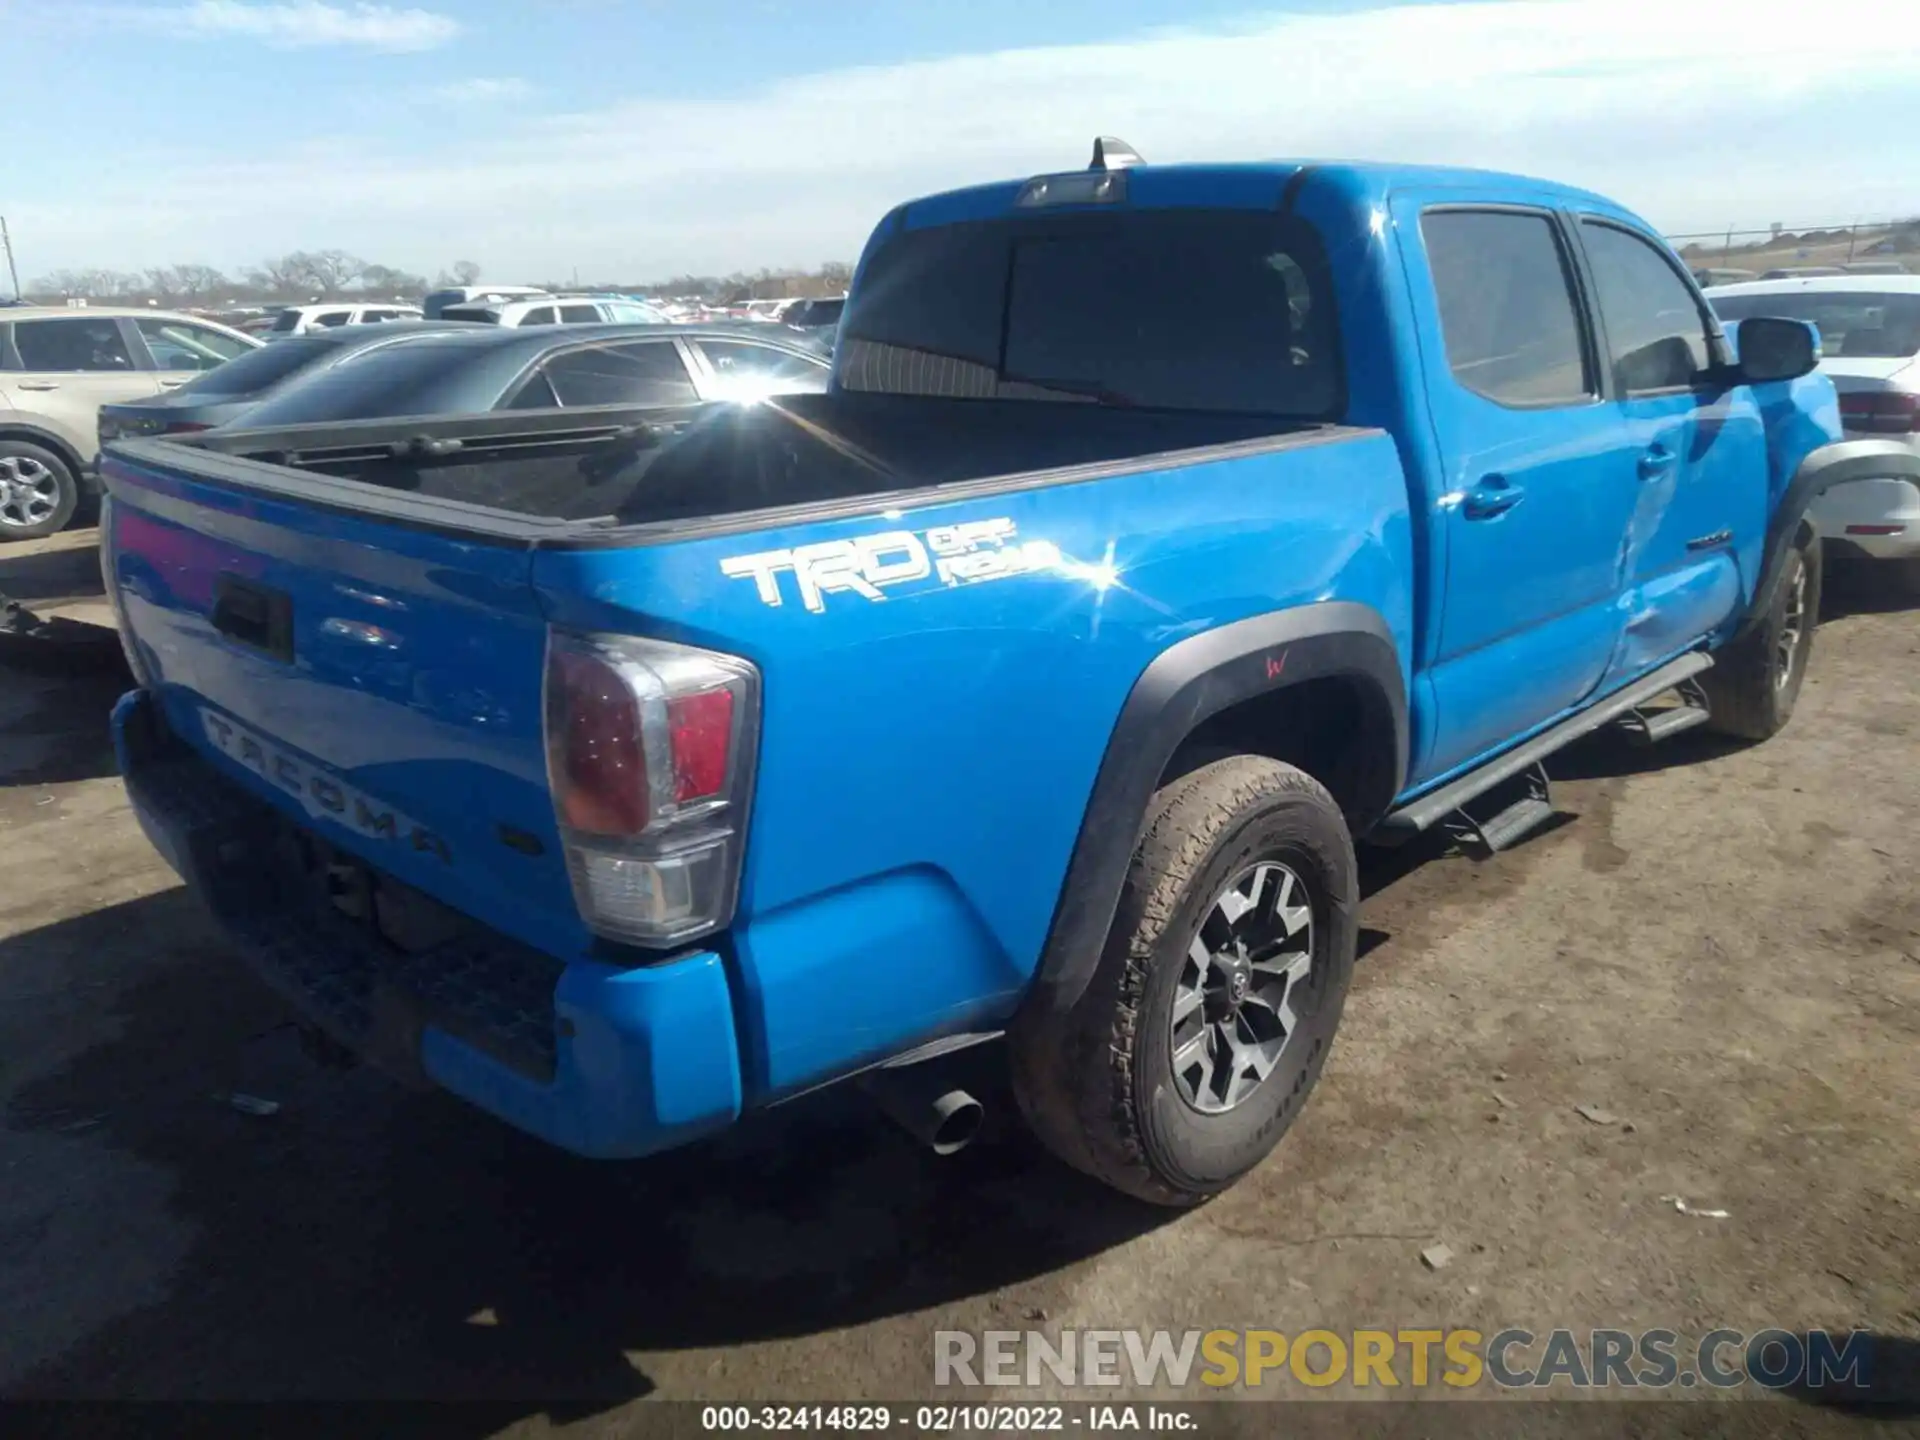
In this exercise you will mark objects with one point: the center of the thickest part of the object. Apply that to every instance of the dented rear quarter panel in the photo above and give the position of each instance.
(927, 754)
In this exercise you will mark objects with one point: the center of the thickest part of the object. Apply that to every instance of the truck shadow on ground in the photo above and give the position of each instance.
(370, 1241)
(1862, 588)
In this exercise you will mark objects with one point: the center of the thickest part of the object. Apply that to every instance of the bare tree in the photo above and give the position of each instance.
(278, 278)
(386, 280)
(327, 272)
(198, 282)
(465, 272)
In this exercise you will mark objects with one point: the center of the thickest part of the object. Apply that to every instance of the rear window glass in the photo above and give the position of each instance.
(410, 378)
(1855, 325)
(254, 371)
(1211, 310)
(646, 374)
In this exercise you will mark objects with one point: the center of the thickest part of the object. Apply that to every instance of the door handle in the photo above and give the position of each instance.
(1656, 462)
(38, 385)
(1493, 496)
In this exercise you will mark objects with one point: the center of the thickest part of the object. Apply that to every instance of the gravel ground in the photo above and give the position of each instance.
(1717, 951)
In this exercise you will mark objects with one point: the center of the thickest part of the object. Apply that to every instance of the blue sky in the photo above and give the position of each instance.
(639, 138)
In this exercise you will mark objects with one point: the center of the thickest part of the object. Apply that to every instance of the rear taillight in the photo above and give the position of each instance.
(1880, 412)
(650, 750)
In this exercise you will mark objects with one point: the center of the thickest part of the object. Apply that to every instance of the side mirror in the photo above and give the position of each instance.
(1772, 349)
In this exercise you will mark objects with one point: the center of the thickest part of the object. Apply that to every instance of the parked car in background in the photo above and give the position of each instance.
(553, 310)
(438, 300)
(225, 393)
(1876, 267)
(1870, 337)
(1710, 275)
(303, 319)
(471, 371)
(58, 366)
(1800, 272)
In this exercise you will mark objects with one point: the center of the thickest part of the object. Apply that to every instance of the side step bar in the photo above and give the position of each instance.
(1646, 727)
(1436, 805)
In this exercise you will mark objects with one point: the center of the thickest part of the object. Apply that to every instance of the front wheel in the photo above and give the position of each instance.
(1214, 1003)
(1755, 681)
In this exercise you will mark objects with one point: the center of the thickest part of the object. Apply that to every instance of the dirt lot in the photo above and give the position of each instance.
(1719, 946)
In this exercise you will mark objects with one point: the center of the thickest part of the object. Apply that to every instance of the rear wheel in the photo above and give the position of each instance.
(1213, 1007)
(38, 492)
(1755, 681)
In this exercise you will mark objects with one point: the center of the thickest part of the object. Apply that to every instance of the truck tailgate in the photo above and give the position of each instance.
(379, 684)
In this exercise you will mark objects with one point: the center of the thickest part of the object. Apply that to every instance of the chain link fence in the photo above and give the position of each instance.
(1881, 243)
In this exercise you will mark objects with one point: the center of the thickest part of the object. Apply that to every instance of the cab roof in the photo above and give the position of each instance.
(1259, 184)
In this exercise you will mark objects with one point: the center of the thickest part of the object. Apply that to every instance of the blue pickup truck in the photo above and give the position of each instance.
(1164, 531)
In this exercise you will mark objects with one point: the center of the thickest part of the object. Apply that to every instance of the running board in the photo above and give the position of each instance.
(1422, 814)
(1525, 813)
(1647, 727)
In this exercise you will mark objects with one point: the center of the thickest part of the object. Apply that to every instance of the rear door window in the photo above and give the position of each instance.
(331, 318)
(1656, 335)
(1205, 310)
(182, 345)
(542, 315)
(72, 345)
(649, 372)
(1507, 310)
(763, 366)
(580, 315)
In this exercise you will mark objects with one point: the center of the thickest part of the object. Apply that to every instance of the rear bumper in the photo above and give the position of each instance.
(596, 1059)
(1877, 518)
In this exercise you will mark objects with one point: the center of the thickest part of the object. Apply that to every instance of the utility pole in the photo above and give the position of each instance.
(6, 243)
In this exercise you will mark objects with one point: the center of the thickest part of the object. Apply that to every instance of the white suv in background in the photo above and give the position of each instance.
(559, 310)
(300, 319)
(1870, 343)
(58, 366)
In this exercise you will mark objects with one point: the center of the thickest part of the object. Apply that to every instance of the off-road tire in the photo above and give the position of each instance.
(66, 483)
(1096, 1083)
(1755, 681)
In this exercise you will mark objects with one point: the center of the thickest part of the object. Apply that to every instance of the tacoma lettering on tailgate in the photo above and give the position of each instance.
(319, 793)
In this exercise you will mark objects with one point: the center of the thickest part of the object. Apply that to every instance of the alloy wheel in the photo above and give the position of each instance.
(1233, 1006)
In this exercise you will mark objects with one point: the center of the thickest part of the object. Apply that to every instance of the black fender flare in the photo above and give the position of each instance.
(18, 427)
(1184, 685)
(1836, 463)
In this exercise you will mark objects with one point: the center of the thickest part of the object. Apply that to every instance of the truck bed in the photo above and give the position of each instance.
(627, 468)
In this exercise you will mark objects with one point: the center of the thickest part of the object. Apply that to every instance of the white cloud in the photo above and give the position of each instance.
(301, 23)
(1692, 120)
(481, 90)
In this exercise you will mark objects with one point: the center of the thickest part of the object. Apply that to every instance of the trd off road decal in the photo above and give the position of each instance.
(872, 564)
